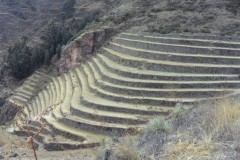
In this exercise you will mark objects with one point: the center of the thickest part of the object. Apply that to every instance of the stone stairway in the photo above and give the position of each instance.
(135, 77)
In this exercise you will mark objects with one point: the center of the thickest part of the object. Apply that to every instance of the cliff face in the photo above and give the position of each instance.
(83, 47)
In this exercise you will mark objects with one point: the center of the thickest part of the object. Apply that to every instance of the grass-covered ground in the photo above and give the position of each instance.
(207, 131)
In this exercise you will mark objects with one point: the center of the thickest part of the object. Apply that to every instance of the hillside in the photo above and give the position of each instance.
(30, 18)
(137, 80)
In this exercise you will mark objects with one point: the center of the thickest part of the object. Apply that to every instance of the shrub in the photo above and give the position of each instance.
(158, 124)
(179, 111)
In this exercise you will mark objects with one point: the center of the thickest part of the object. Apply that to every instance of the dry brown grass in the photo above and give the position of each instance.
(225, 114)
(211, 132)
(216, 121)
(187, 148)
(121, 152)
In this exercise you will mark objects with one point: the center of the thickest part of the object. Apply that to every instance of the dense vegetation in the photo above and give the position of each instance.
(68, 8)
(233, 6)
(19, 59)
(23, 60)
(52, 41)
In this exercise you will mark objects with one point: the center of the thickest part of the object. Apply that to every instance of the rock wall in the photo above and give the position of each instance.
(82, 47)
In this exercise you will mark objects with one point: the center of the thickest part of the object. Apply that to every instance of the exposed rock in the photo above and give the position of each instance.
(7, 113)
(4, 95)
(1, 157)
(13, 155)
(82, 47)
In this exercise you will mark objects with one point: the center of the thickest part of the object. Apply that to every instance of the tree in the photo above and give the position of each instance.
(233, 6)
(23, 60)
(68, 8)
(55, 36)
(19, 59)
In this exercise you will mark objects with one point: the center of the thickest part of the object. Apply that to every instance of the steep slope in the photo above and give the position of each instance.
(26, 17)
(135, 77)
(31, 17)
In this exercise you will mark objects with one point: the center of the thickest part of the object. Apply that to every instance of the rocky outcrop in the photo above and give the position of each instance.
(7, 111)
(82, 47)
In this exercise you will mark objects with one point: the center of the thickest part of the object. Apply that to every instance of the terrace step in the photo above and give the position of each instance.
(25, 92)
(177, 47)
(159, 75)
(72, 133)
(99, 127)
(96, 102)
(182, 40)
(61, 92)
(51, 93)
(79, 109)
(135, 99)
(65, 108)
(108, 76)
(195, 37)
(18, 99)
(175, 57)
(146, 92)
(169, 66)
(22, 95)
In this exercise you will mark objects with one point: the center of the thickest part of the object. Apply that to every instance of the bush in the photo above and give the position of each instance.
(158, 124)
(179, 112)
